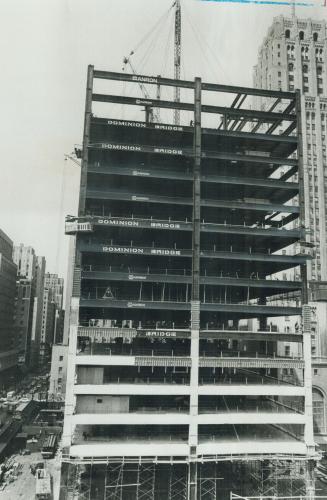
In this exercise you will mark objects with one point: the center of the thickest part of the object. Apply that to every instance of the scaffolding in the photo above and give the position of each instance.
(234, 496)
(177, 489)
(272, 477)
(114, 482)
(258, 480)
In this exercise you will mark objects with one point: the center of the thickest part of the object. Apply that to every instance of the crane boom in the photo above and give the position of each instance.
(177, 56)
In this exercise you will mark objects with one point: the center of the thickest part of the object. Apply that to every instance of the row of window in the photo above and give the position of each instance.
(301, 35)
(305, 68)
(291, 87)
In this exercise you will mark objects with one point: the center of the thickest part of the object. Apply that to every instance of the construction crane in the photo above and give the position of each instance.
(177, 56)
(152, 115)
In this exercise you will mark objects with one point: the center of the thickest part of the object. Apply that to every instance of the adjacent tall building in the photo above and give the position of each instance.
(23, 319)
(53, 315)
(39, 314)
(180, 230)
(294, 56)
(8, 349)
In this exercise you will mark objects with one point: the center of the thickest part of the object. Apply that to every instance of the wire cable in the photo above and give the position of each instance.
(152, 29)
(61, 209)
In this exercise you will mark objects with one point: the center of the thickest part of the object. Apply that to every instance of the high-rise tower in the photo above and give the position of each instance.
(293, 56)
(167, 388)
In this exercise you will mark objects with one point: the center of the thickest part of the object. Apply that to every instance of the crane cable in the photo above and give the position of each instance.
(61, 209)
(201, 44)
(153, 36)
(152, 31)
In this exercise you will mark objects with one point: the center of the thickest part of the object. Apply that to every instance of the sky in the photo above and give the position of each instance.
(45, 47)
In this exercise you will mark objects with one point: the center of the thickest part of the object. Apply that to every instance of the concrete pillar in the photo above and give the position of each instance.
(194, 381)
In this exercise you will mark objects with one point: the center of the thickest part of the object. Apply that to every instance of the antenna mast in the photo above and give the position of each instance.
(177, 57)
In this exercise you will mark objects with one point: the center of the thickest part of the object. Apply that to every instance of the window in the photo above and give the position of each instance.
(315, 37)
(301, 35)
(290, 66)
(318, 404)
(61, 358)
(305, 68)
(99, 400)
(287, 350)
(287, 33)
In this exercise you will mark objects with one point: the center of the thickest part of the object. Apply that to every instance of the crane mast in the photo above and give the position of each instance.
(177, 57)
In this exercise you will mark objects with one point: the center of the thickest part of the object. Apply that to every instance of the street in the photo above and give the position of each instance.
(23, 488)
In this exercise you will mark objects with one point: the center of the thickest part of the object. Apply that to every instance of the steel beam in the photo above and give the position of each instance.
(266, 117)
(106, 275)
(86, 136)
(170, 174)
(175, 225)
(291, 260)
(240, 309)
(188, 152)
(258, 138)
(212, 87)
(116, 194)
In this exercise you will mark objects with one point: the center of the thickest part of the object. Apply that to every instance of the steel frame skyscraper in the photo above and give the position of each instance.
(179, 230)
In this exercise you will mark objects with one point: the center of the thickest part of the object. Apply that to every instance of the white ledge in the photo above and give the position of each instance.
(251, 390)
(129, 449)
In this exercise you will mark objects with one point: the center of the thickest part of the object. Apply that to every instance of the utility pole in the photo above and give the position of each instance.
(177, 57)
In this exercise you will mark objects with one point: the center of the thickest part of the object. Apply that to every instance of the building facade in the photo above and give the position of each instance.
(38, 313)
(58, 373)
(25, 260)
(29, 301)
(47, 326)
(59, 355)
(167, 385)
(23, 319)
(294, 56)
(56, 284)
(8, 348)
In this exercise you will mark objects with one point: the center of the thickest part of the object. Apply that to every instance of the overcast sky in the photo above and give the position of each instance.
(46, 46)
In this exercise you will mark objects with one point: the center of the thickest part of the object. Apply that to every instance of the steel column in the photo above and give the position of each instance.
(86, 134)
(301, 190)
(195, 302)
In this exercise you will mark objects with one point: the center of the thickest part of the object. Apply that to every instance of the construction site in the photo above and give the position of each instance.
(175, 386)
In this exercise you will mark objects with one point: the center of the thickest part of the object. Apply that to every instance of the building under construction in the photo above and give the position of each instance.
(174, 386)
